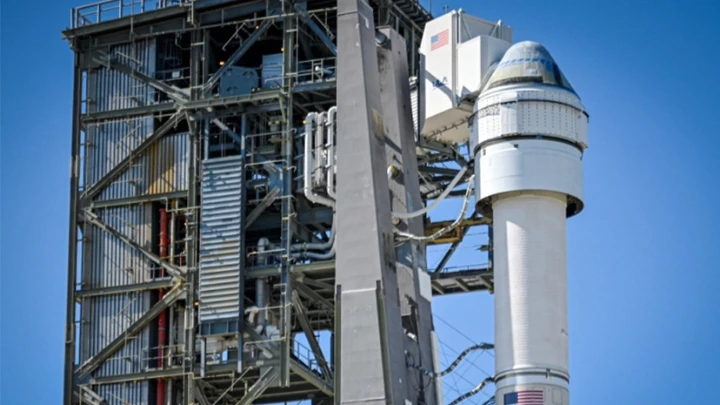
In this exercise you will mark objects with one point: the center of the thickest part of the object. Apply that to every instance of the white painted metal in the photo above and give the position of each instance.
(530, 164)
(529, 109)
(529, 132)
(530, 283)
(456, 53)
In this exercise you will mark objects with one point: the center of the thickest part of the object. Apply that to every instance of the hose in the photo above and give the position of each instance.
(441, 197)
(442, 231)
(473, 392)
(458, 360)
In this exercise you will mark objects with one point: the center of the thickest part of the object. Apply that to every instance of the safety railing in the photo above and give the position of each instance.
(108, 10)
(463, 268)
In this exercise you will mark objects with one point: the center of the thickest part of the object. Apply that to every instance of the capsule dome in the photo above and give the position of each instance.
(527, 62)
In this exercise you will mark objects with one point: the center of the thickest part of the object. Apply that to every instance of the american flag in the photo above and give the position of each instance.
(533, 397)
(439, 40)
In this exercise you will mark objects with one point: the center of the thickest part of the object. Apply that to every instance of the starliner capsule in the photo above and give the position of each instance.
(528, 134)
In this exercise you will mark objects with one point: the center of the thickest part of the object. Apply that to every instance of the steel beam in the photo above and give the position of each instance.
(143, 199)
(171, 268)
(365, 247)
(69, 365)
(448, 254)
(134, 154)
(266, 379)
(286, 209)
(400, 151)
(124, 289)
(116, 344)
(175, 93)
(307, 375)
(249, 42)
(95, 117)
(300, 311)
(319, 32)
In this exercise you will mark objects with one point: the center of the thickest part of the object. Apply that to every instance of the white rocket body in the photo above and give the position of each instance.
(527, 131)
(528, 134)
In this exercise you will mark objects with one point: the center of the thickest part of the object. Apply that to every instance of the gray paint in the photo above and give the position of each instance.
(405, 197)
(365, 252)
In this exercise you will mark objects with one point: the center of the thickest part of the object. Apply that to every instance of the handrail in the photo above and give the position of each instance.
(108, 10)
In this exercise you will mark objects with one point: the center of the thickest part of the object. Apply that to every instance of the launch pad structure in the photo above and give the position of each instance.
(248, 196)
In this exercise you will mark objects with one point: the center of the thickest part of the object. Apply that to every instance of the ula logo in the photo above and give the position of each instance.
(440, 83)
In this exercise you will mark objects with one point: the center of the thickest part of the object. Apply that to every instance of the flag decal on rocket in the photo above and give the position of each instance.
(532, 397)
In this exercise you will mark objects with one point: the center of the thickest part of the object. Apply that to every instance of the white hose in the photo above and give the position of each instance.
(440, 232)
(441, 197)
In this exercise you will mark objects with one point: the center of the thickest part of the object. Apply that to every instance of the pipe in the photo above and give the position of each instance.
(317, 246)
(307, 165)
(319, 143)
(162, 317)
(441, 197)
(332, 116)
(318, 256)
(260, 300)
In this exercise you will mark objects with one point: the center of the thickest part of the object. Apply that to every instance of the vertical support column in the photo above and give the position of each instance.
(69, 380)
(415, 301)
(243, 257)
(290, 27)
(198, 43)
(371, 359)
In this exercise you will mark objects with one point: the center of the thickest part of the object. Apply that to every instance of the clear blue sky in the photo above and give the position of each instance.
(643, 256)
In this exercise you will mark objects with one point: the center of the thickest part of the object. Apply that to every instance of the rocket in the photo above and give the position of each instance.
(528, 134)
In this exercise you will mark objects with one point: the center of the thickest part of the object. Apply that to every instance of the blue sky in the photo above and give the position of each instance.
(643, 256)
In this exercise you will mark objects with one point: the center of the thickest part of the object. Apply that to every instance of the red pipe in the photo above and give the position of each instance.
(162, 318)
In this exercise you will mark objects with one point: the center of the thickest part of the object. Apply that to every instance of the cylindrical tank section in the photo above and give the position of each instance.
(528, 135)
(531, 349)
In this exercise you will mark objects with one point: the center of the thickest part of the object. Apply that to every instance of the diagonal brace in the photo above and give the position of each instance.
(175, 93)
(266, 379)
(134, 154)
(314, 345)
(207, 88)
(94, 362)
(315, 297)
(319, 32)
(171, 268)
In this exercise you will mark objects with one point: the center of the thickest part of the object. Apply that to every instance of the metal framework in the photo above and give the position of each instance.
(190, 279)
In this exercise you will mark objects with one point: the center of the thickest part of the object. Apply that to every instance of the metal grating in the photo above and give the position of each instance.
(220, 235)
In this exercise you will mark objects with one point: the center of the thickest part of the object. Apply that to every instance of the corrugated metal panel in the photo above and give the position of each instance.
(107, 318)
(135, 393)
(108, 261)
(111, 142)
(162, 169)
(220, 234)
(112, 90)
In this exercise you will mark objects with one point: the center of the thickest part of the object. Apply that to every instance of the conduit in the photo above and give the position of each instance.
(162, 317)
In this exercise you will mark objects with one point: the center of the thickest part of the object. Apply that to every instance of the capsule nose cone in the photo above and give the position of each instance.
(527, 62)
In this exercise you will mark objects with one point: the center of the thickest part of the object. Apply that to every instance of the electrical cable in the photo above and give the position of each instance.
(442, 231)
(481, 346)
(473, 391)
